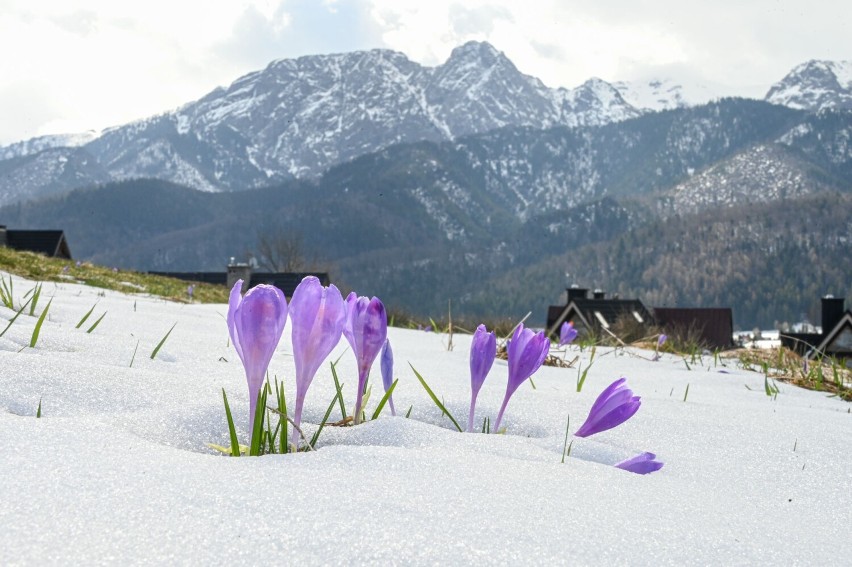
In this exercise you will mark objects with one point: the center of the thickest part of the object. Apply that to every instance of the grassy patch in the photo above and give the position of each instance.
(783, 365)
(41, 268)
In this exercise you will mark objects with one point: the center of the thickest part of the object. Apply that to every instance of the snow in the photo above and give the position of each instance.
(666, 93)
(117, 469)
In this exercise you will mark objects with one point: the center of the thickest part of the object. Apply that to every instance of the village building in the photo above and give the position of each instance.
(51, 243)
(835, 338)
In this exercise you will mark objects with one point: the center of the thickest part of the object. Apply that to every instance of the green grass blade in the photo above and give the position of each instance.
(37, 330)
(12, 320)
(284, 440)
(96, 323)
(435, 398)
(132, 358)
(235, 444)
(86, 316)
(408, 413)
(686, 393)
(38, 411)
(582, 379)
(532, 383)
(324, 419)
(339, 387)
(384, 400)
(567, 433)
(257, 429)
(6, 293)
(36, 291)
(766, 387)
(162, 342)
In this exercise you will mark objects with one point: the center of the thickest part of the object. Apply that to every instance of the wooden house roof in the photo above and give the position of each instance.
(597, 313)
(51, 243)
(713, 326)
(838, 341)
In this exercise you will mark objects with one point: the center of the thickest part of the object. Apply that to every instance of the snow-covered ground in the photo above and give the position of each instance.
(117, 469)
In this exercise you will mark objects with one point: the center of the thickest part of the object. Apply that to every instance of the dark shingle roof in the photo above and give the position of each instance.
(714, 326)
(49, 242)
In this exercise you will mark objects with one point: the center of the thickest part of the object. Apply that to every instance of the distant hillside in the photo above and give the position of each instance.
(495, 220)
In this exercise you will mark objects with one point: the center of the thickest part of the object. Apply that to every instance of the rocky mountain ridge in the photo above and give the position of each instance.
(298, 117)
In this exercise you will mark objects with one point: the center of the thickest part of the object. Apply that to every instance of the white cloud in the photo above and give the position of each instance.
(95, 63)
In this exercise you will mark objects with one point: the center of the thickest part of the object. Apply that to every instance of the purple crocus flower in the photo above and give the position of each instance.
(567, 333)
(318, 315)
(387, 371)
(366, 329)
(255, 323)
(615, 405)
(641, 464)
(190, 289)
(527, 351)
(483, 350)
(661, 340)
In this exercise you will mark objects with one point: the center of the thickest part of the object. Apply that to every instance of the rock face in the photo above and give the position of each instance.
(815, 85)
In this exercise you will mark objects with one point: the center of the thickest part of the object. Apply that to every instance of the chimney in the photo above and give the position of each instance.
(832, 312)
(238, 271)
(599, 294)
(575, 292)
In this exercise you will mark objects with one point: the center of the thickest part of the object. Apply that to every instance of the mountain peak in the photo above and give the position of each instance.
(814, 85)
(480, 51)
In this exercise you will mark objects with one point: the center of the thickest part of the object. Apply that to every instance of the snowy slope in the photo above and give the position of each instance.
(665, 94)
(117, 471)
(815, 85)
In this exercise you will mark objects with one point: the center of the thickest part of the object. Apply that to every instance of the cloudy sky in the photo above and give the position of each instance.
(75, 65)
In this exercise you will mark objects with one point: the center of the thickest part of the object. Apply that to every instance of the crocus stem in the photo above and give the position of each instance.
(297, 419)
(362, 382)
(500, 414)
(252, 409)
(390, 403)
(470, 415)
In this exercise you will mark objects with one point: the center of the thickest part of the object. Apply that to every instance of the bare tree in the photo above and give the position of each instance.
(281, 251)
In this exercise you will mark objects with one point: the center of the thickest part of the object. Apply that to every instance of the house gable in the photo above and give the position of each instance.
(838, 341)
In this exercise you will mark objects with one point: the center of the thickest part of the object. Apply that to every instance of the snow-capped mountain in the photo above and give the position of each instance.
(298, 117)
(664, 94)
(815, 85)
(41, 143)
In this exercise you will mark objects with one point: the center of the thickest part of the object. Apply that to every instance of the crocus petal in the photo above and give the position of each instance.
(255, 323)
(233, 302)
(661, 340)
(318, 315)
(366, 329)
(483, 351)
(641, 464)
(387, 371)
(567, 333)
(615, 405)
(526, 352)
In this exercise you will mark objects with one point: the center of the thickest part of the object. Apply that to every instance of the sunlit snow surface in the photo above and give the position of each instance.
(117, 470)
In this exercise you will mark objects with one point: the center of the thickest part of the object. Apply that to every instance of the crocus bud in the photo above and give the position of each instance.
(483, 350)
(526, 351)
(615, 405)
(387, 371)
(255, 323)
(318, 315)
(567, 333)
(366, 329)
(641, 464)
